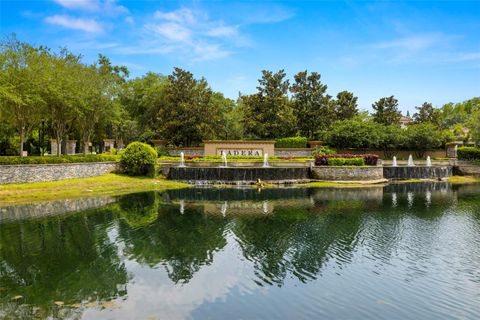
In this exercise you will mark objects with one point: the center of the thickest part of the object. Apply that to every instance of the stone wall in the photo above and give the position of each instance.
(465, 168)
(347, 173)
(187, 151)
(213, 147)
(52, 172)
(294, 152)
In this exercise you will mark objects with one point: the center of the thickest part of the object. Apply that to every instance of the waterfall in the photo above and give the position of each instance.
(429, 162)
(265, 160)
(410, 161)
(394, 161)
(182, 160)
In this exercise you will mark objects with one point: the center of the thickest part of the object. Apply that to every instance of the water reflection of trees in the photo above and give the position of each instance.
(295, 241)
(68, 259)
(183, 243)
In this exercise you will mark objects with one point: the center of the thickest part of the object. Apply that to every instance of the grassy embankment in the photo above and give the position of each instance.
(106, 185)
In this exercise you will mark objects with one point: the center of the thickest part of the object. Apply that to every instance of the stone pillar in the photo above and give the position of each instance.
(109, 144)
(452, 148)
(53, 146)
(71, 146)
(120, 144)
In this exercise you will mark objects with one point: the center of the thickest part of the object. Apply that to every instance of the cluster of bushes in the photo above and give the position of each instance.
(291, 142)
(360, 134)
(338, 159)
(11, 160)
(139, 159)
(337, 162)
(468, 153)
(324, 150)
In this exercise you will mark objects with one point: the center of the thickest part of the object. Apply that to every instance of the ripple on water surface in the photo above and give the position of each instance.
(400, 252)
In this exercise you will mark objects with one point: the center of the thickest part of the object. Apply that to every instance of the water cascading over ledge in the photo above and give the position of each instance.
(211, 175)
(417, 172)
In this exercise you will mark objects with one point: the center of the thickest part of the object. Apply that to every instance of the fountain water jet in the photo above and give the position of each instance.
(265, 160)
(410, 161)
(394, 161)
(224, 160)
(429, 162)
(182, 160)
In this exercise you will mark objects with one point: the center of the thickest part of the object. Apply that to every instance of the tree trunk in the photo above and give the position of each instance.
(59, 145)
(22, 140)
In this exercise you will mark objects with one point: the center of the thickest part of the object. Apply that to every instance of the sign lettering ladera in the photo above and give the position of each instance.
(241, 152)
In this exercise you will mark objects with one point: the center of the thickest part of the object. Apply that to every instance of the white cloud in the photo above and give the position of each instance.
(91, 5)
(182, 15)
(205, 51)
(108, 7)
(130, 21)
(412, 43)
(87, 25)
(171, 31)
(222, 31)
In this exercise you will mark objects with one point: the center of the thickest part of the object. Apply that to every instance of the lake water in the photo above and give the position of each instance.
(409, 251)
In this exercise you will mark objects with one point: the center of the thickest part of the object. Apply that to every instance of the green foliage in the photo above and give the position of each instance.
(11, 160)
(386, 111)
(338, 162)
(162, 151)
(311, 105)
(392, 139)
(345, 105)
(422, 137)
(468, 153)
(427, 114)
(354, 134)
(139, 159)
(291, 142)
(324, 150)
(474, 126)
(268, 114)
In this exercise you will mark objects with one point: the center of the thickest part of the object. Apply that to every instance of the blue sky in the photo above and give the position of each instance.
(416, 50)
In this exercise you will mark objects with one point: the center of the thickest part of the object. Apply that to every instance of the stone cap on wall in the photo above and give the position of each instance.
(240, 141)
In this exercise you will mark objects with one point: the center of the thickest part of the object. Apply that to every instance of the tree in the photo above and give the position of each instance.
(345, 105)
(386, 111)
(311, 105)
(422, 137)
(427, 114)
(268, 113)
(474, 126)
(20, 86)
(188, 116)
(354, 133)
(392, 139)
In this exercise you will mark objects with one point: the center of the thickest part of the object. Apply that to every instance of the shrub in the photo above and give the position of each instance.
(324, 150)
(468, 153)
(162, 151)
(291, 142)
(346, 162)
(354, 133)
(324, 159)
(12, 160)
(422, 137)
(139, 159)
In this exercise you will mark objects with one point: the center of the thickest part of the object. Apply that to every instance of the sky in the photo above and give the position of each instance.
(415, 50)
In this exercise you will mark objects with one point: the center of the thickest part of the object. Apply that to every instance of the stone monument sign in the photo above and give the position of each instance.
(239, 148)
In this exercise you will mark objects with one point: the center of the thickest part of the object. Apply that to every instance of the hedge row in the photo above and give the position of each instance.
(324, 159)
(291, 142)
(468, 153)
(346, 162)
(11, 160)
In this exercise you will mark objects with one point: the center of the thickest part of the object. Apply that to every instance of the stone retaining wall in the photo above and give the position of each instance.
(53, 172)
(347, 173)
(465, 168)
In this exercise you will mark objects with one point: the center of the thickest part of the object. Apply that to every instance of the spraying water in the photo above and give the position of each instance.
(224, 160)
(410, 161)
(394, 161)
(182, 160)
(265, 160)
(429, 162)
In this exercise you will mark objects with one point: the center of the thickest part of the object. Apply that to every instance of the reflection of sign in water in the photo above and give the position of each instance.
(241, 152)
